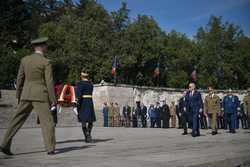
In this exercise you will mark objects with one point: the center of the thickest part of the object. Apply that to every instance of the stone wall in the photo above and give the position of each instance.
(122, 94)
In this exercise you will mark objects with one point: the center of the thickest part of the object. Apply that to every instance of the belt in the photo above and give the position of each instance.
(86, 96)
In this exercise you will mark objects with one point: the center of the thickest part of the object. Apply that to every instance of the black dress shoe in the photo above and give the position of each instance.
(6, 151)
(51, 153)
(185, 133)
(214, 133)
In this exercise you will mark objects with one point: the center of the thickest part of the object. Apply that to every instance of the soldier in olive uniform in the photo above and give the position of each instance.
(173, 114)
(247, 106)
(35, 90)
(212, 108)
(111, 110)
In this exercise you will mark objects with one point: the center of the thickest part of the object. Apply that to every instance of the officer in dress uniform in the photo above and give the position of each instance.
(105, 111)
(85, 106)
(35, 91)
(127, 115)
(231, 105)
(173, 114)
(157, 111)
(212, 109)
(246, 101)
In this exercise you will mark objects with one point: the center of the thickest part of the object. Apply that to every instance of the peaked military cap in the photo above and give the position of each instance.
(39, 41)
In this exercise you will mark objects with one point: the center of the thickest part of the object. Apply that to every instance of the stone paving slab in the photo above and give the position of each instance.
(130, 147)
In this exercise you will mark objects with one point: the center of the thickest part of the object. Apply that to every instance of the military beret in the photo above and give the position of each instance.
(39, 41)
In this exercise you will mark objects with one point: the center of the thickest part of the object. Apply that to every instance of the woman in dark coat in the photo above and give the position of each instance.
(85, 106)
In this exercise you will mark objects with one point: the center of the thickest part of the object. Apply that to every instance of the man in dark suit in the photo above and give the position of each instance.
(165, 115)
(194, 107)
(144, 116)
(183, 112)
(127, 115)
(158, 115)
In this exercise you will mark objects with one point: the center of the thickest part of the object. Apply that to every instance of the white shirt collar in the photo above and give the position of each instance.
(39, 52)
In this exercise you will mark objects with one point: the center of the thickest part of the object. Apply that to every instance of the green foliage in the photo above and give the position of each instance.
(85, 35)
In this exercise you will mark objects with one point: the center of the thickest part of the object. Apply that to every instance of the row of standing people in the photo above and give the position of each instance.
(190, 111)
(141, 116)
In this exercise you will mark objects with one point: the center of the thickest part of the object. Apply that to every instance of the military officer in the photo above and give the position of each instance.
(111, 114)
(212, 108)
(173, 114)
(85, 105)
(242, 117)
(231, 105)
(35, 90)
(246, 101)
(105, 111)
(127, 115)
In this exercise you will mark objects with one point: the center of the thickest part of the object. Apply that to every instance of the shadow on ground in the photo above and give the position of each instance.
(59, 150)
(82, 140)
(68, 149)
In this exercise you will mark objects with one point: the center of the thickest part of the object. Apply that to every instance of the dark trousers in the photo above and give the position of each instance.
(203, 121)
(134, 122)
(179, 121)
(105, 121)
(220, 122)
(190, 120)
(231, 119)
(185, 118)
(248, 122)
(153, 122)
(158, 122)
(144, 121)
(243, 119)
(196, 126)
(166, 122)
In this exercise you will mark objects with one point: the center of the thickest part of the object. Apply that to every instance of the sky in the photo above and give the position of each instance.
(186, 16)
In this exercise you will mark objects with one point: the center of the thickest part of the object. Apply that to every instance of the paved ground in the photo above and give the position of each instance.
(130, 147)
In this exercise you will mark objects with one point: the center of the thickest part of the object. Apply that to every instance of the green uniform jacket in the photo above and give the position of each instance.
(35, 80)
(212, 104)
(247, 104)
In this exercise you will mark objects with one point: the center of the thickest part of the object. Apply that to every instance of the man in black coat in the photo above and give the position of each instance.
(158, 114)
(165, 115)
(183, 112)
(127, 115)
(144, 116)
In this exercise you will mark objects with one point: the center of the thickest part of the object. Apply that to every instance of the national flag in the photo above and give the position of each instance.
(157, 70)
(194, 75)
(114, 66)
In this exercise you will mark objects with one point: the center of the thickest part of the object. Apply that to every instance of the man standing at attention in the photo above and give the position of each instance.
(194, 107)
(231, 105)
(212, 109)
(35, 90)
